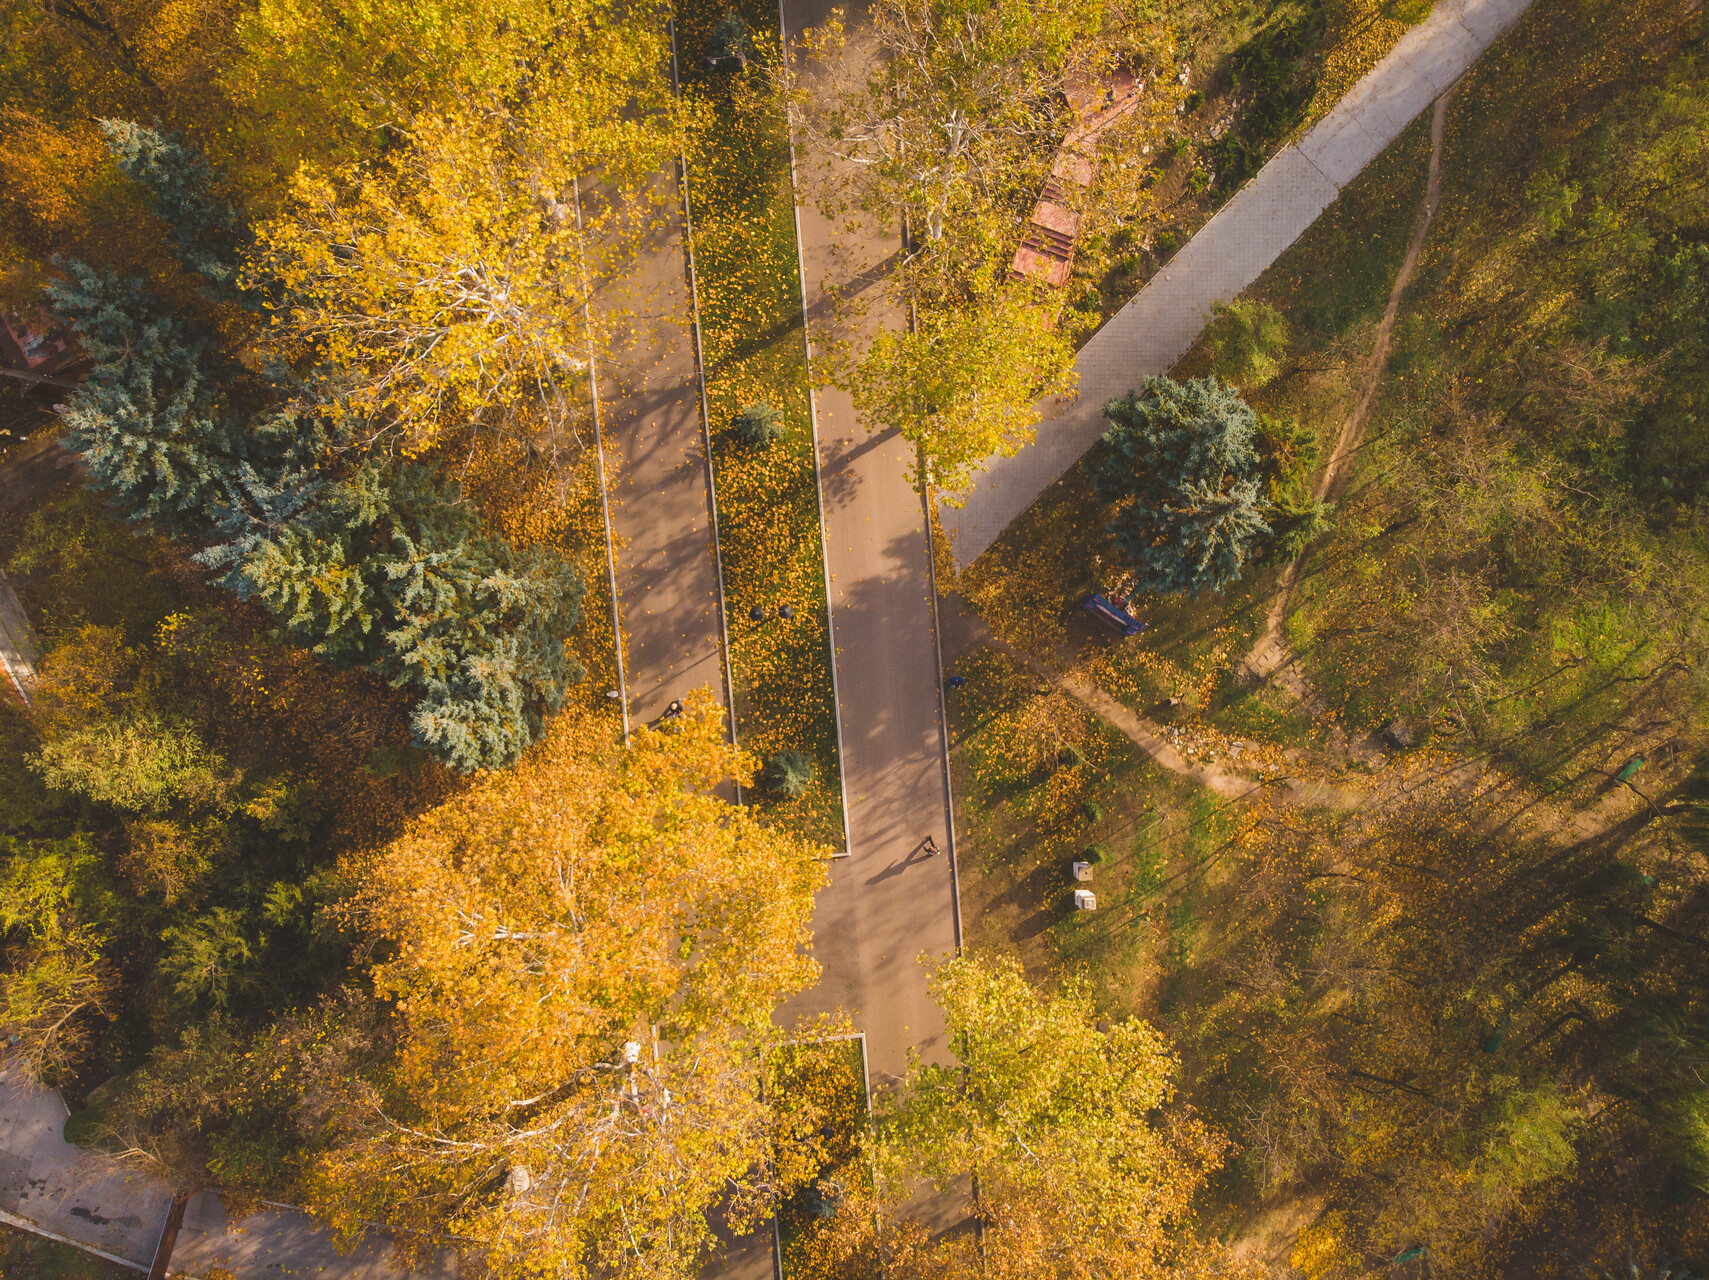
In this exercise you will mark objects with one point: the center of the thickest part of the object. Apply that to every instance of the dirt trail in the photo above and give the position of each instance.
(1271, 652)
(965, 629)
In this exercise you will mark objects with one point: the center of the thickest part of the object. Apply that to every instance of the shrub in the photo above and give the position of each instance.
(788, 773)
(1297, 526)
(1249, 339)
(1290, 452)
(759, 426)
(730, 45)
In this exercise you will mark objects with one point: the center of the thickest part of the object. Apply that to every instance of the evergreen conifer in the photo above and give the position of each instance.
(368, 562)
(1180, 471)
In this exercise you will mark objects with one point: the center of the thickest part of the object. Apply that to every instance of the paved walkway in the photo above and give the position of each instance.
(280, 1241)
(19, 653)
(661, 496)
(91, 1200)
(889, 902)
(1232, 250)
(79, 1196)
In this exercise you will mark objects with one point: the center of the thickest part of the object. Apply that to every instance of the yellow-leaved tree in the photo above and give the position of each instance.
(956, 119)
(496, 164)
(449, 283)
(1056, 1128)
(582, 955)
(962, 383)
(334, 80)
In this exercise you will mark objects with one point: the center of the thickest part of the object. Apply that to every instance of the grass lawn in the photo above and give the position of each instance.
(1199, 922)
(742, 204)
(1041, 783)
(24, 1256)
(1260, 74)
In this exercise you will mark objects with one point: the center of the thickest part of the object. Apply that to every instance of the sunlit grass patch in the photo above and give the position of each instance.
(749, 286)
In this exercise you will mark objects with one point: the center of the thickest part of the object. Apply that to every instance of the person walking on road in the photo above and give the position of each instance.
(930, 845)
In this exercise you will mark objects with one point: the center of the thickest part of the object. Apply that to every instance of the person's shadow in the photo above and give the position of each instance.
(919, 853)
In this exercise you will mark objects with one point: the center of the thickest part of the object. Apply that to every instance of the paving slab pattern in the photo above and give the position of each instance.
(84, 1197)
(279, 1242)
(1232, 250)
(19, 652)
(90, 1199)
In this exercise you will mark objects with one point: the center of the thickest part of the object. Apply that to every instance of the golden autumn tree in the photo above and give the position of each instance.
(956, 118)
(332, 78)
(448, 276)
(1057, 1128)
(582, 955)
(963, 382)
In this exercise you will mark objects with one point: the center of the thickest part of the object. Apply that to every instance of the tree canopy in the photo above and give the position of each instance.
(1179, 470)
(1060, 1126)
(955, 125)
(367, 560)
(585, 952)
(963, 383)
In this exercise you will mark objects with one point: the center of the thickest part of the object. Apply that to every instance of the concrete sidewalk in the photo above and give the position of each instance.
(279, 1241)
(19, 653)
(1232, 250)
(83, 1197)
(661, 499)
(90, 1199)
(889, 902)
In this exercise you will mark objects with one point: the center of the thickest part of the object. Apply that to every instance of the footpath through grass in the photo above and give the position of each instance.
(742, 203)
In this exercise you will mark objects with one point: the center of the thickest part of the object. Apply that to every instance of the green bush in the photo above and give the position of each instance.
(1249, 339)
(759, 426)
(1297, 526)
(788, 773)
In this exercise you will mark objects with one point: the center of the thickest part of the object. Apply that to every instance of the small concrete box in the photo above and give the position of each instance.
(1085, 900)
(1083, 872)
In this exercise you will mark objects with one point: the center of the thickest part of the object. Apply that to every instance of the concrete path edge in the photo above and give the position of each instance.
(1228, 254)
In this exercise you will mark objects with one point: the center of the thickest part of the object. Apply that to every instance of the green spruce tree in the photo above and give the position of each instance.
(367, 561)
(1180, 475)
(204, 228)
(152, 420)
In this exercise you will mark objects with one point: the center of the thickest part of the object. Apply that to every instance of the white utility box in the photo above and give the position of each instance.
(1085, 900)
(1083, 872)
